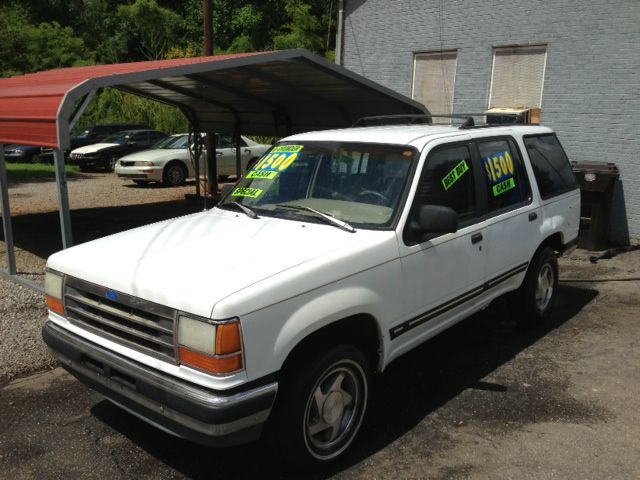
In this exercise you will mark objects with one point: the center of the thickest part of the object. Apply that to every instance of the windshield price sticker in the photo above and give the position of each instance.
(454, 175)
(247, 192)
(287, 149)
(262, 175)
(276, 161)
(499, 168)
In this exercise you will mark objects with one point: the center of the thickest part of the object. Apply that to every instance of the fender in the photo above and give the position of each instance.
(325, 309)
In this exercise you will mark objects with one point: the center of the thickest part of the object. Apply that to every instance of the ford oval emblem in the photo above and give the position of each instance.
(111, 295)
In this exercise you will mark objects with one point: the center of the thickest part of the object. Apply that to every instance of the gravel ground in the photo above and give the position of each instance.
(101, 204)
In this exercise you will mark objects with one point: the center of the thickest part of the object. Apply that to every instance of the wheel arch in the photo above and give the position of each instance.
(361, 330)
(554, 241)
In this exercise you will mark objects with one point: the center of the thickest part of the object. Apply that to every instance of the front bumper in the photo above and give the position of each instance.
(140, 173)
(183, 409)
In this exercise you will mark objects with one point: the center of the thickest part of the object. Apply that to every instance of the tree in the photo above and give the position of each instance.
(150, 29)
(25, 47)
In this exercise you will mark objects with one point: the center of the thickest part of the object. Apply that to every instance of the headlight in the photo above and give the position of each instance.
(145, 164)
(53, 291)
(212, 346)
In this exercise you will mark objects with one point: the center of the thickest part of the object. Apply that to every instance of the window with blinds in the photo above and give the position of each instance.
(517, 76)
(434, 75)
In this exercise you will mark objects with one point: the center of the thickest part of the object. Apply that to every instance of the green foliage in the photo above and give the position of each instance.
(149, 29)
(303, 30)
(22, 171)
(114, 106)
(30, 48)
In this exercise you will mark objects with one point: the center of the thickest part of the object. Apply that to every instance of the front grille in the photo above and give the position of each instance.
(127, 163)
(130, 321)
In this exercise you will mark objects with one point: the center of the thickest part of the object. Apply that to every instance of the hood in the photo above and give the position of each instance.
(94, 148)
(190, 263)
(157, 154)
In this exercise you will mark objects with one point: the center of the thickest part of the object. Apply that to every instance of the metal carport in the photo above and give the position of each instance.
(266, 93)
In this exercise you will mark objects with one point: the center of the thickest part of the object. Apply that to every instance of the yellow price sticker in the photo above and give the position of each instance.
(247, 192)
(276, 161)
(262, 175)
(287, 149)
(454, 175)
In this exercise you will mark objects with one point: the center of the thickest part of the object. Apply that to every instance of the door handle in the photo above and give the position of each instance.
(476, 237)
(533, 216)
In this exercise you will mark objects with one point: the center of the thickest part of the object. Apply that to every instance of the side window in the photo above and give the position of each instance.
(550, 165)
(447, 180)
(141, 138)
(506, 178)
(223, 141)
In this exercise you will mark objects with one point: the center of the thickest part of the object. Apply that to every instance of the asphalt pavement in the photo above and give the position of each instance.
(485, 399)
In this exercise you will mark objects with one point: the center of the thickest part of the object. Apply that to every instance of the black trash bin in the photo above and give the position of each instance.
(597, 180)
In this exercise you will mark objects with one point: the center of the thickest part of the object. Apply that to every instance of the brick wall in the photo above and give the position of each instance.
(591, 91)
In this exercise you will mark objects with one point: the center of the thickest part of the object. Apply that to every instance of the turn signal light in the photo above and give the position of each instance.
(217, 365)
(228, 338)
(55, 305)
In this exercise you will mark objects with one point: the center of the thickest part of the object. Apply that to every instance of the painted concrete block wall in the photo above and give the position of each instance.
(591, 93)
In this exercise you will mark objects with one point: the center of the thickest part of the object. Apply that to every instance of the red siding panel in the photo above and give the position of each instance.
(29, 103)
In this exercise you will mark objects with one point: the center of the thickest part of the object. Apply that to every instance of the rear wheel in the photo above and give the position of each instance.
(533, 301)
(174, 174)
(321, 407)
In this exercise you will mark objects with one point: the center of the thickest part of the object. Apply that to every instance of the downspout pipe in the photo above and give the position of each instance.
(339, 32)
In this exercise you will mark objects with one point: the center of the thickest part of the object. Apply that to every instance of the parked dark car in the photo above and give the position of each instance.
(22, 153)
(105, 154)
(97, 133)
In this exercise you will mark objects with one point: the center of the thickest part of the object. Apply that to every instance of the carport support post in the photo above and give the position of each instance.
(63, 198)
(212, 165)
(6, 215)
(238, 142)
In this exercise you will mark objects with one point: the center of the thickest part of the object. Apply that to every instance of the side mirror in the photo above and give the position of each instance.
(435, 219)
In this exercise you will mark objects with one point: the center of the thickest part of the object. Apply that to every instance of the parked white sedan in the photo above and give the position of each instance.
(168, 161)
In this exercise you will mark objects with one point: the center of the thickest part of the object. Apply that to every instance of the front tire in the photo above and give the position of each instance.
(110, 164)
(533, 302)
(321, 408)
(174, 175)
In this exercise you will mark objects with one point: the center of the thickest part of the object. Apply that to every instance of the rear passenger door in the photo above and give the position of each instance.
(513, 222)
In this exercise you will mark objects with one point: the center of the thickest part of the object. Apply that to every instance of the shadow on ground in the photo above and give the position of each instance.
(406, 395)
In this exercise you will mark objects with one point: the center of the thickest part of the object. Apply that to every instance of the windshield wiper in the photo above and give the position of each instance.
(250, 213)
(328, 218)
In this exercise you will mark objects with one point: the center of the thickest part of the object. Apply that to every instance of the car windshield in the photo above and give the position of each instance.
(173, 142)
(120, 138)
(358, 183)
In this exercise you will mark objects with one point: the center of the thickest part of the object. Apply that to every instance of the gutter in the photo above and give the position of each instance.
(339, 32)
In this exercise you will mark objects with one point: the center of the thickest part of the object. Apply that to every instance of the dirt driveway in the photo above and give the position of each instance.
(483, 400)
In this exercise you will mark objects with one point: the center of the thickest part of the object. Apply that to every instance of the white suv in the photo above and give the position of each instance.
(335, 254)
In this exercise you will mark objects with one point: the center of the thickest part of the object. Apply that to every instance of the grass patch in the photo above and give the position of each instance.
(24, 171)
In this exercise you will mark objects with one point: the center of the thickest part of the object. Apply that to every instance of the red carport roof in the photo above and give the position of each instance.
(265, 93)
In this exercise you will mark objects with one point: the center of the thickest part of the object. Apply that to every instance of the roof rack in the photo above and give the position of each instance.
(412, 119)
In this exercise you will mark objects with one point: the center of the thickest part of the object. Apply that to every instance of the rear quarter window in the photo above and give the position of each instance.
(550, 165)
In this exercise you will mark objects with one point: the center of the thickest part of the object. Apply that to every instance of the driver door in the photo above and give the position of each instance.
(443, 274)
